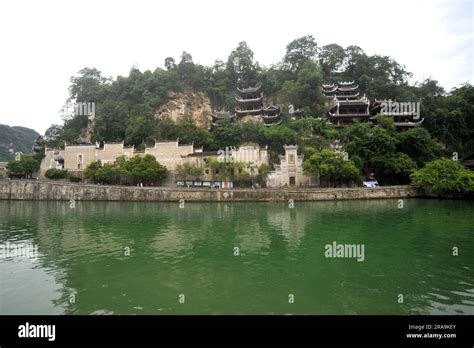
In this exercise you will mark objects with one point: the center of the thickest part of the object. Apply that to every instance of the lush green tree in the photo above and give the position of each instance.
(54, 136)
(24, 167)
(144, 170)
(305, 90)
(226, 134)
(240, 66)
(450, 118)
(398, 169)
(91, 169)
(444, 175)
(88, 85)
(107, 174)
(386, 122)
(170, 63)
(376, 149)
(299, 51)
(418, 144)
(276, 137)
(136, 170)
(39, 151)
(186, 131)
(141, 130)
(186, 171)
(332, 58)
(330, 166)
(291, 93)
(263, 170)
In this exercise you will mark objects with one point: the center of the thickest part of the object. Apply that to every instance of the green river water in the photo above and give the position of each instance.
(237, 258)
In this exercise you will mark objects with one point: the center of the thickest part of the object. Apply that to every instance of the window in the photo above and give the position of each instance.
(291, 159)
(79, 161)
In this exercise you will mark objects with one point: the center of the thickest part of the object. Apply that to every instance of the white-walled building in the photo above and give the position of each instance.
(75, 158)
(289, 173)
(252, 155)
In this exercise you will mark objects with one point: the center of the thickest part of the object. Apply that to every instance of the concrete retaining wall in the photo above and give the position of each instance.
(41, 190)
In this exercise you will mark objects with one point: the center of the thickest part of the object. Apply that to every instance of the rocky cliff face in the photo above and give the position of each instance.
(86, 133)
(188, 103)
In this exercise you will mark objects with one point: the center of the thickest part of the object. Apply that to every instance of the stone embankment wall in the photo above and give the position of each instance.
(57, 191)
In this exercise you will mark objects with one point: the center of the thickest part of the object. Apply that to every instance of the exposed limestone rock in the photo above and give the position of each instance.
(189, 103)
(86, 133)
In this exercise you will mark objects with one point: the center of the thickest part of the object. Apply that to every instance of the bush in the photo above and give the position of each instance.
(56, 173)
(75, 179)
(89, 172)
(136, 170)
(444, 175)
(25, 167)
(330, 166)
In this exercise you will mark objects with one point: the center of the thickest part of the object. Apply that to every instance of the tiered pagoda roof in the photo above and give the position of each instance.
(343, 90)
(401, 118)
(344, 104)
(222, 115)
(250, 104)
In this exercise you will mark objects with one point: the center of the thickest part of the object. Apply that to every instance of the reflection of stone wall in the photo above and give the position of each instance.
(38, 190)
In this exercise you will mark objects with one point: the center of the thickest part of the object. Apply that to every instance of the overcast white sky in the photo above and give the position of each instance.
(44, 43)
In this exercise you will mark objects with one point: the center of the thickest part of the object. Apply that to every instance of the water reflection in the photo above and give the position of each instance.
(81, 252)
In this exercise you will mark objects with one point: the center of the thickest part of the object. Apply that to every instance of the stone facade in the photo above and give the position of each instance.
(3, 169)
(170, 153)
(290, 170)
(54, 191)
(75, 158)
(252, 155)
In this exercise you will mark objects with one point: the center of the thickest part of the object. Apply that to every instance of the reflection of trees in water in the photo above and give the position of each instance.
(83, 247)
(252, 237)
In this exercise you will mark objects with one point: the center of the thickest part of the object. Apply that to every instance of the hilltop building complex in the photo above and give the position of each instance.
(345, 104)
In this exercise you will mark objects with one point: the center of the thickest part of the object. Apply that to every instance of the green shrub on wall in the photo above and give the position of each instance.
(74, 179)
(56, 173)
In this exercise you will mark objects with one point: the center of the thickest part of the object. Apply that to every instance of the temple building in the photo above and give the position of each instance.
(344, 103)
(296, 114)
(222, 115)
(250, 107)
(404, 115)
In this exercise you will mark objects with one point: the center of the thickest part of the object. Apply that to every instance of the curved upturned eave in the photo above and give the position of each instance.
(272, 124)
(249, 89)
(248, 101)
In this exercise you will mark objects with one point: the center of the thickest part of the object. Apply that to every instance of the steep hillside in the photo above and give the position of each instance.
(15, 139)
(189, 103)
